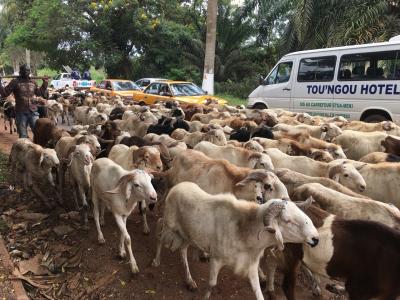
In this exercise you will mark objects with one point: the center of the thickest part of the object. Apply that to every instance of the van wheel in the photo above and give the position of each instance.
(375, 119)
(259, 106)
(142, 103)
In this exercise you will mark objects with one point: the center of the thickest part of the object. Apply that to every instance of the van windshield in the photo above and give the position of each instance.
(280, 74)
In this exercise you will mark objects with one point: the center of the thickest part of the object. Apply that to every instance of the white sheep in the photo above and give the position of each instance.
(120, 191)
(234, 232)
(80, 165)
(33, 162)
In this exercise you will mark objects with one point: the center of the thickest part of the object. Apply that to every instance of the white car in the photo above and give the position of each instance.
(64, 80)
(145, 82)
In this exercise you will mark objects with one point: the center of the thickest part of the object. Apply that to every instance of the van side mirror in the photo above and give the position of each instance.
(261, 80)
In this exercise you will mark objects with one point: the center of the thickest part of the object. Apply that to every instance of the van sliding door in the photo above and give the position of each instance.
(313, 89)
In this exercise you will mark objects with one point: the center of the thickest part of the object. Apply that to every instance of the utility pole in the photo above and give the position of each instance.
(209, 59)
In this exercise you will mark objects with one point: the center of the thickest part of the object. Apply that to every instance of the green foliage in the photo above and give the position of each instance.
(232, 100)
(327, 23)
(240, 89)
(47, 72)
(166, 38)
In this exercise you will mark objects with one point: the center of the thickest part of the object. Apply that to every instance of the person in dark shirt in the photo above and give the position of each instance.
(25, 90)
(86, 75)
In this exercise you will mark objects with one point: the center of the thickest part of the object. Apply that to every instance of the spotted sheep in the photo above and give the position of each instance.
(363, 254)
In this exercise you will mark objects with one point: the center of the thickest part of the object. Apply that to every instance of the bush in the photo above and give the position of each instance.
(241, 89)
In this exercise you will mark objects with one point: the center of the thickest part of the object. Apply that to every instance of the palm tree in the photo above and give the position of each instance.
(328, 23)
(211, 37)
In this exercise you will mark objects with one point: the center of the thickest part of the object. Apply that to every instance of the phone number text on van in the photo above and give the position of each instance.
(364, 89)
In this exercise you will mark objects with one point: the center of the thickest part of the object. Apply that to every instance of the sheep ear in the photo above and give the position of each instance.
(123, 187)
(41, 158)
(279, 238)
(305, 205)
(336, 177)
(360, 167)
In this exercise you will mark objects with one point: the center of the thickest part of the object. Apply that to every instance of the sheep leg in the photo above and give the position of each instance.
(39, 193)
(263, 278)
(160, 241)
(121, 222)
(61, 177)
(102, 210)
(272, 264)
(122, 251)
(255, 283)
(51, 181)
(85, 206)
(143, 209)
(74, 194)
(190, 283)
(95, 201)
(312, 280)
(215, 267)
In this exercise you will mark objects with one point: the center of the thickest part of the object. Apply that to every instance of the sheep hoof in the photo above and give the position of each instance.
(191, 286)
(263, 283)
(102, 241)
(335, 289)
(122, 255)
(271, 295)
(204, 257)
(155, 263)
(135, 270)
(146, 231)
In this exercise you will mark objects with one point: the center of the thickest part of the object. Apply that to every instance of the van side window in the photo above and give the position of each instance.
(280, 74)
(317, 69)
(370, 66)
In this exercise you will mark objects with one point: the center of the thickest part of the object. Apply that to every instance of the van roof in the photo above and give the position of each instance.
(371, 45)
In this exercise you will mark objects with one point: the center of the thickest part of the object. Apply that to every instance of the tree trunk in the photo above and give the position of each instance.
(209, 59)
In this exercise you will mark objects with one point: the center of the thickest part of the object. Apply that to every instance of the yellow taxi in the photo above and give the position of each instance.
(181, 91)
(116, 87)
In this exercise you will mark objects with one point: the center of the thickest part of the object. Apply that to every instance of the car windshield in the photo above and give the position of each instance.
(125, 86)
(186, 89)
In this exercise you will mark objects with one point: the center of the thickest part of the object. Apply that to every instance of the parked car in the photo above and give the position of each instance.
(64, 80)
(145, 82)
(116, 87)
(174, 90)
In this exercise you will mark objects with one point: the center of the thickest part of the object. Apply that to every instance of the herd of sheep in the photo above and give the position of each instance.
(320, 194)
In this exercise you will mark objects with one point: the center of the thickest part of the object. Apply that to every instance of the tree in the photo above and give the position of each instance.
(328, 23)
(209, 58)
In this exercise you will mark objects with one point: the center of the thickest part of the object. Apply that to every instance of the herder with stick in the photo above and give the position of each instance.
(24, 90)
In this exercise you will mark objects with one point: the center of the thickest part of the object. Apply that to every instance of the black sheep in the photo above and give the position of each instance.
(244, 135)
(167, 126)
(117, 113)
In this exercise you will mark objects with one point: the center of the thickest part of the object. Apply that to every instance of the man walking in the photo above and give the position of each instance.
(24, 90)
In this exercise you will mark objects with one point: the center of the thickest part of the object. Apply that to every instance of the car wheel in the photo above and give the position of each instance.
(375, 119)
(260, 106)
(142, 103)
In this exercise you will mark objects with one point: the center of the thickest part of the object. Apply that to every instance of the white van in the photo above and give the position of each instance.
(359, 82)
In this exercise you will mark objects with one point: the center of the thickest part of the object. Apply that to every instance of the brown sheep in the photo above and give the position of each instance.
(46, 133)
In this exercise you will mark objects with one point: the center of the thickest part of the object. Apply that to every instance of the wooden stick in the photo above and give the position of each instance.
(16, 76)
